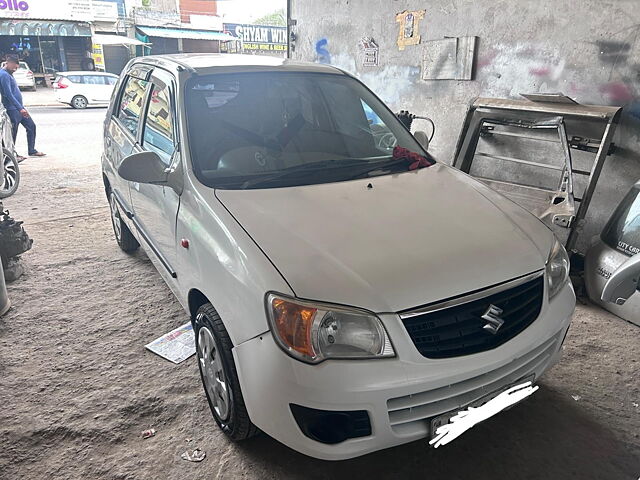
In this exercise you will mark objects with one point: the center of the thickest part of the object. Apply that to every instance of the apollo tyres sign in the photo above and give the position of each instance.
(76, 10)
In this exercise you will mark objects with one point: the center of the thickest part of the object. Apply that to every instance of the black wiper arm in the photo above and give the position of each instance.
(386, 165)
(306, 168)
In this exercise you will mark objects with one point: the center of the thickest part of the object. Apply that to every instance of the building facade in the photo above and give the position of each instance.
(56, 36)
(178, 26)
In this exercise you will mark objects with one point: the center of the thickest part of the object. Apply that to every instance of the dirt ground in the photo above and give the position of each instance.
(77, 386)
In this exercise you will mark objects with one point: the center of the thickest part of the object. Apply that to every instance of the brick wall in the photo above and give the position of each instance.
(197, 7)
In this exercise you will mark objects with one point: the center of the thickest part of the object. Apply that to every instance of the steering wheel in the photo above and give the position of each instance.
(386, 141)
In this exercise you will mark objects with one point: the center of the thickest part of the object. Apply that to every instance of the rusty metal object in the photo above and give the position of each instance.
(536, 121)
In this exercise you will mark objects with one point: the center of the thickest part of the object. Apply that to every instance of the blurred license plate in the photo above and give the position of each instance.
(445, 418)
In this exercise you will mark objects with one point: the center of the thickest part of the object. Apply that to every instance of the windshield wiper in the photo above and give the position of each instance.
(306, 168)
(386, 167)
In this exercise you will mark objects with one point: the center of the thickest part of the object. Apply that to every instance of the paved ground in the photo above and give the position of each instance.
(77, 386)
(41, 97)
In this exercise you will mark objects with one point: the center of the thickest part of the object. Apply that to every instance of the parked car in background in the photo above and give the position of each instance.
(343, 299)
(24, 76)
(83, 89)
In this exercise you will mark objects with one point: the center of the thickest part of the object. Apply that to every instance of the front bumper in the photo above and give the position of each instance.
(400, 394)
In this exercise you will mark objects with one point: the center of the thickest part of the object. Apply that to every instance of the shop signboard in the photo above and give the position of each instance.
(98, 56)
(104, 11)
(259, 38)
(44, 28)
(75, 10)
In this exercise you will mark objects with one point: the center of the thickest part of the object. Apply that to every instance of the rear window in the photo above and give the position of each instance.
(74, 78)
(623, 230)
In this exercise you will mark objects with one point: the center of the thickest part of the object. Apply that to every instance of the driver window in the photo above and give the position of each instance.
(158, 126)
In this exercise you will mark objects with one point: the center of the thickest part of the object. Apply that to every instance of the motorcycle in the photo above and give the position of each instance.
(10, 178)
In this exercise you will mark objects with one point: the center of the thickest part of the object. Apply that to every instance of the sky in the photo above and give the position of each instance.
(245, 11)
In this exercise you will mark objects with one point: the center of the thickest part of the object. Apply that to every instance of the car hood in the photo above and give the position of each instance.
(392, 242)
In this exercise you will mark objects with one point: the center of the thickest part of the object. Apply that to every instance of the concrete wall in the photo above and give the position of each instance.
(588, 50)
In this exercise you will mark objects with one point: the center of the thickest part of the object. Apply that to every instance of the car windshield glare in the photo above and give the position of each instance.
(278, 129)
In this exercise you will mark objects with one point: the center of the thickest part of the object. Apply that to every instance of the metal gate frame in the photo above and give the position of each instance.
(529, 114)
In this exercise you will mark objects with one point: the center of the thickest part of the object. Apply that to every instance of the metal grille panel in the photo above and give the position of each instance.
(459, 330)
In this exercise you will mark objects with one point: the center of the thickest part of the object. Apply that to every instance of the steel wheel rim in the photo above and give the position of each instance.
(215, 380)
(115, 217)
(10, 172)
(80, 102)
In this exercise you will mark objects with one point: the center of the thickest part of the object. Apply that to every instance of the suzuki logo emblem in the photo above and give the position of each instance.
(492, 317)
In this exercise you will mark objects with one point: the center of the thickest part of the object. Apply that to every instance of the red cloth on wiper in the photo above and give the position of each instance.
(415, 160)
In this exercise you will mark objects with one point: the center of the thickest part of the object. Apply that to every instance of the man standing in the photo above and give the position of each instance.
(12, 101)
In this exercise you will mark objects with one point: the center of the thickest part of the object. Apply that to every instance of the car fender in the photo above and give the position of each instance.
(224, 263)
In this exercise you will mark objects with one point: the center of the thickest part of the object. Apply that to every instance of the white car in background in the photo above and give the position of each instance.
(24, 76)
(81, 89)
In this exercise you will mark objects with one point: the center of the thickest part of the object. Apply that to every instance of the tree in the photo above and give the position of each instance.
(275, 19)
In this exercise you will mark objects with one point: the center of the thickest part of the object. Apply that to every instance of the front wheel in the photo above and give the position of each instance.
(219, 376)
(11, 173)
(79, 102)
(126, 241)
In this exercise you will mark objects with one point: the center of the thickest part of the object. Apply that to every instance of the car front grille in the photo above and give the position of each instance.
(460, 329)
(409, 415)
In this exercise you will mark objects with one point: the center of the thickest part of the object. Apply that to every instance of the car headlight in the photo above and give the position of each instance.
(313, 332)
(557, 268)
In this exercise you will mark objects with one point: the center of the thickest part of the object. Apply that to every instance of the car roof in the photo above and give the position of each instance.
(230, 63)
(86, 72)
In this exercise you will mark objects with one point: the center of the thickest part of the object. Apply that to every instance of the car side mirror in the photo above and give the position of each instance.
(143, 167)
(623, 282)
(422, 138)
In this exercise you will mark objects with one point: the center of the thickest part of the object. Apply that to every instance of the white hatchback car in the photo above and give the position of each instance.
(347, 292)
(82, 89)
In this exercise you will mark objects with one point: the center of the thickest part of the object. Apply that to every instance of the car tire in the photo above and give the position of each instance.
(79, 102)
(219, 375)
(11, 172)
(126, 241)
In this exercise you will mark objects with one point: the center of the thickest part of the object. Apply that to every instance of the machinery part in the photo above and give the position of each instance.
(5, 303)
(11, 174)
(406, 118)
(13, 238)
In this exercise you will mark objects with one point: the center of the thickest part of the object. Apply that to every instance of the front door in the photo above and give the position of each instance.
(156, 206)
(123, 133)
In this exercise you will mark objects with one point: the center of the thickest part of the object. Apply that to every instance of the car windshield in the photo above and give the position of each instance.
(623, 230)
(278, 129)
